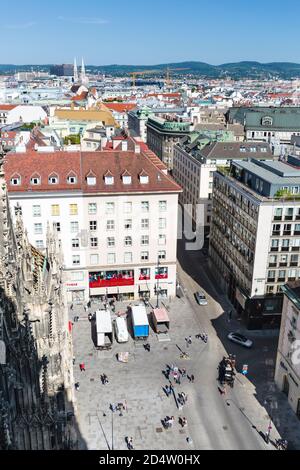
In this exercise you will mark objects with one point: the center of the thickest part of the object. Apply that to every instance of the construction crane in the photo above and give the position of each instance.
(142, 72)
(168, 80)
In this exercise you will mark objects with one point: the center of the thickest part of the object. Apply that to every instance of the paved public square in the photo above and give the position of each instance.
(234, 421)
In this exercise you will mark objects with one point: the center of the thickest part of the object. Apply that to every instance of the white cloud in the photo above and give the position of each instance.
(27, 25)
(84, 20)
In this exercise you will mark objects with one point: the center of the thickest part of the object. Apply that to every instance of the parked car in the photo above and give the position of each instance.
(240, 339)
(200, 298)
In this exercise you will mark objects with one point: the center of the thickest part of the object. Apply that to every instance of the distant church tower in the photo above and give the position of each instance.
(83, 78)
(75, 71)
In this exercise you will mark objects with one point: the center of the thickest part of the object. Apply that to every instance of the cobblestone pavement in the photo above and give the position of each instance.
(214, 421)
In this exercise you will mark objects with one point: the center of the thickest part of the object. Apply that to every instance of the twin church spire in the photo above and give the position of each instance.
(82, 78)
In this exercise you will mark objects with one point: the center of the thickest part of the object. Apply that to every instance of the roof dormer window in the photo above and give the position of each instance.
(35, 180)
(108, 178)
(15, 180)
(53, 179)
(91, 179)
(144, 178)
(72, 179)
(126, 177)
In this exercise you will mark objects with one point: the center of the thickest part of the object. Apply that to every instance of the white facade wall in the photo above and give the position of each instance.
(262, 248)
(196, 178)
(78, 275)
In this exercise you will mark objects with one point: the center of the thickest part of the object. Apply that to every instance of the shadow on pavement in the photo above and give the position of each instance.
(261, 359)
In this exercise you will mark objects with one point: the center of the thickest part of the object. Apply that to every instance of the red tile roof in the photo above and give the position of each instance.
(82, 163)
(7, 107)
(120, 107)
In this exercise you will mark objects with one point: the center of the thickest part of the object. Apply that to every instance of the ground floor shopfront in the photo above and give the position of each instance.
(288, 382)
(257, 312)
(121, 284)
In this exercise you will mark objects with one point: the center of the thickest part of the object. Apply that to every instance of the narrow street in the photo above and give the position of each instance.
(261, 358)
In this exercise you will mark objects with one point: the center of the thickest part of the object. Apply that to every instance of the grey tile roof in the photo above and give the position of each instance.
(268, 171)
(283, 118)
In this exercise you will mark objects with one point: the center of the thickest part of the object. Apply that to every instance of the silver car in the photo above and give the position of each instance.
(200, 298)
(240, 339)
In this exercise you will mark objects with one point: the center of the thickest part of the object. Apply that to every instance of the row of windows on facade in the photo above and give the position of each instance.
(286, 260)
(285, 243)
(282, 274)
(111, 258)
(288, 212)
(111, 241)
(110, 225)
(72, 179)
(286, 229)
(92, 208)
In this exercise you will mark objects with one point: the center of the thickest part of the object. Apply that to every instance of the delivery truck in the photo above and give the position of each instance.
(104, 329)
(140, 322)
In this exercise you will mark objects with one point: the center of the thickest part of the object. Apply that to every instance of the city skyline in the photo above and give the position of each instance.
(139, 36)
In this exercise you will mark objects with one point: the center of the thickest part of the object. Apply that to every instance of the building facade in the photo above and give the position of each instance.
(116, 217)
(163, 133)
(137, 120)
(287, 374)
(194, 166)
(255, 237)
(267, 123)
(63, 70)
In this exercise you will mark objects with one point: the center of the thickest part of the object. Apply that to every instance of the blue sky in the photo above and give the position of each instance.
(149, 32)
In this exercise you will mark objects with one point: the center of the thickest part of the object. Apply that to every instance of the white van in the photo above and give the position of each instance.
(104, 329)
(121, 330)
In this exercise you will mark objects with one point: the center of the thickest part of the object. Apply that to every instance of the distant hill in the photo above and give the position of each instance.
(236, 70)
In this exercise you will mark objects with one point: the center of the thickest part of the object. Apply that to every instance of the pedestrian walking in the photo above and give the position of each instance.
(183, 372)
(77, 386)
(113, 407)
(90, 316)
(74, 360)
(71, 307)
(129, 441)
(82, 367)
(192, 378)
(190, 340)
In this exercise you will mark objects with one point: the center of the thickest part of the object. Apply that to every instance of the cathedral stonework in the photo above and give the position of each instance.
(36, 369)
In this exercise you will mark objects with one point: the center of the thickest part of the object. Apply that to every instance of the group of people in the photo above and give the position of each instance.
(168, 421)
(177, 374)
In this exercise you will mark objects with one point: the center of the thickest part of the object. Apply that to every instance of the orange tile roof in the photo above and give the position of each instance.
(120, 107)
